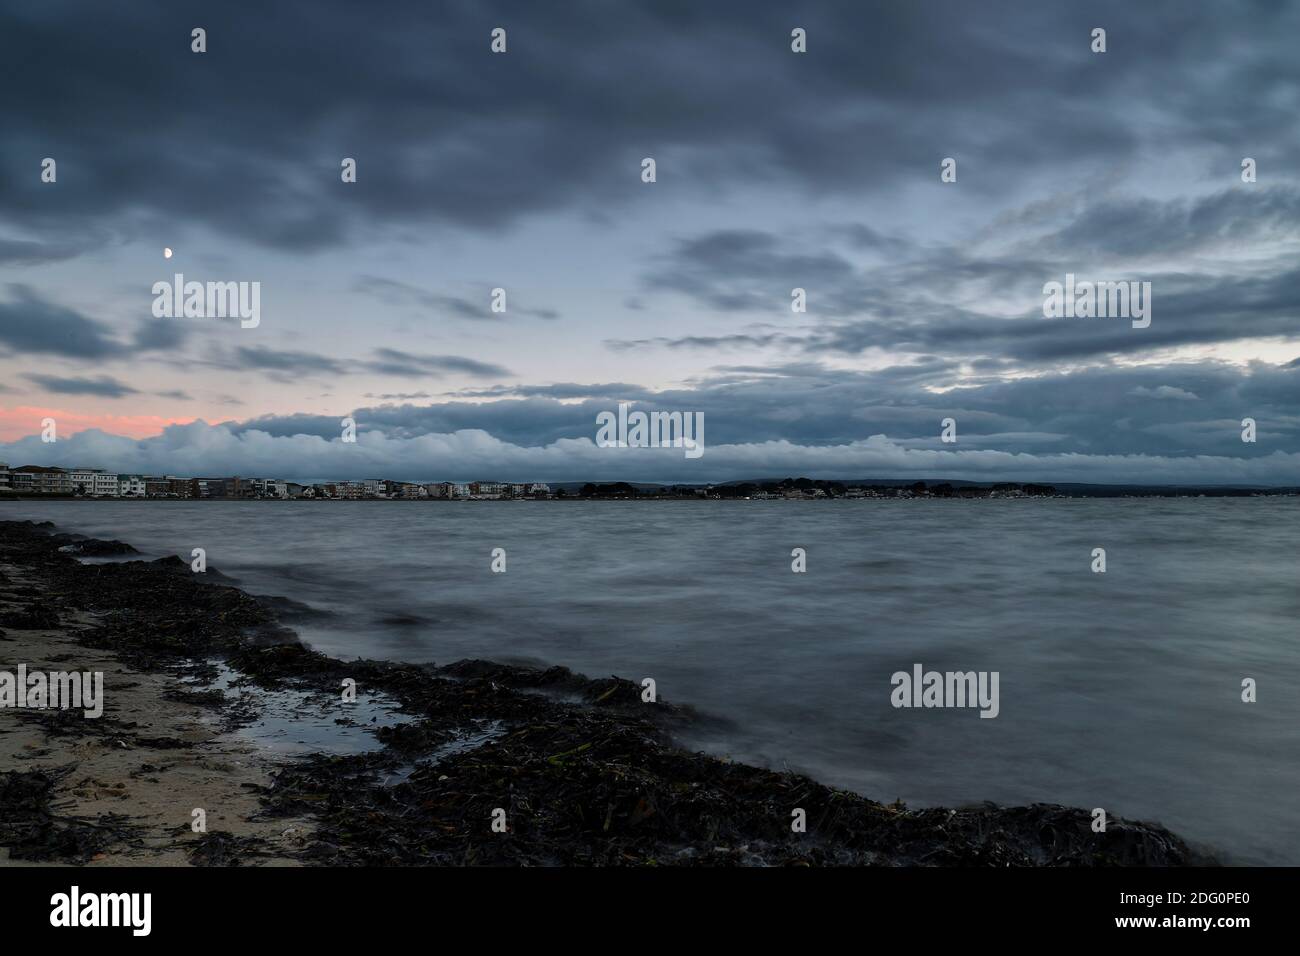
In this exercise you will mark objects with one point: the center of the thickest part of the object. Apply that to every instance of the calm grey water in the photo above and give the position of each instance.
(1118, 690)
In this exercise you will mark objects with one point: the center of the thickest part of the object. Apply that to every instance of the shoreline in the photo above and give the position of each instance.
(581, 770)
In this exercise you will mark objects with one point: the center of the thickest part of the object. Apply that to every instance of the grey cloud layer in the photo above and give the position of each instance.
(1054, 146)
(945, 299)
(202, 449)
(31, 325)
(1182, 410)
(395, 293)
(446, 132)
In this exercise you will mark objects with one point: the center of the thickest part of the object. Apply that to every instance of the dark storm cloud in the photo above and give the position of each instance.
(560, 390)
(160, 335)
(1093, 411)
(291, 364)
(399, 396)
(246, 140)
(276, 360)
(530, 421)
(397, 362)
(919, 302)
(1142, 228)
(747, 270)
(1186, 311)
(101, 387)
(25, 252)
(708, 342)
(29, 324)
(247, 137)
(395, 293)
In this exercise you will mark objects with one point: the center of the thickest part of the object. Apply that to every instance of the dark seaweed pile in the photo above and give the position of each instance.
(585, 772)
(32, 831)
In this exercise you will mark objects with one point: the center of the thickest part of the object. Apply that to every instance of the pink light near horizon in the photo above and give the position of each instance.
(25, 420)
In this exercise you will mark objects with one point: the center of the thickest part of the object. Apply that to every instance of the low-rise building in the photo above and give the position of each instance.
(269, 488)
(130, 486)
(40, 480)
(83, 480)
(105, 485)
(350, 490)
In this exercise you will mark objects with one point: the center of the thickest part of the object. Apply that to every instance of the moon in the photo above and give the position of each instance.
(167, 252)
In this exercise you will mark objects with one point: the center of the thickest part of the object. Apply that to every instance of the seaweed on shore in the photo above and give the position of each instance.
(37, 615)
(32, 831)
(585, 772)
(220, 848)
(588, 789)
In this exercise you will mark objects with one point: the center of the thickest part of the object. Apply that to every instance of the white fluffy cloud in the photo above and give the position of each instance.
(199, 449)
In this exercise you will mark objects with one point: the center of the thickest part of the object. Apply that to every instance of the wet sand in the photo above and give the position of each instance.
(125, 785)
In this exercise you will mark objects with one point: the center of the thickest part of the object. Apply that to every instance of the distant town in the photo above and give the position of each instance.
(98, 483)
(29, 481)
(40, 480)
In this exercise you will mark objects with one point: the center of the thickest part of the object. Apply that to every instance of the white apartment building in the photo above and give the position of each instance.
(83, 480)
(105, 485)
(130, 486)
(270, 488)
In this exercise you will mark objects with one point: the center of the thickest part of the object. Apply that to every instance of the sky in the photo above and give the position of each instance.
(774, 170)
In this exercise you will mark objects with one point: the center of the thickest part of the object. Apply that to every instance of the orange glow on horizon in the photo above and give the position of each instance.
(25, 420)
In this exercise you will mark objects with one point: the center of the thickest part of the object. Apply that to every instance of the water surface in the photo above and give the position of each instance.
(1119, 690)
